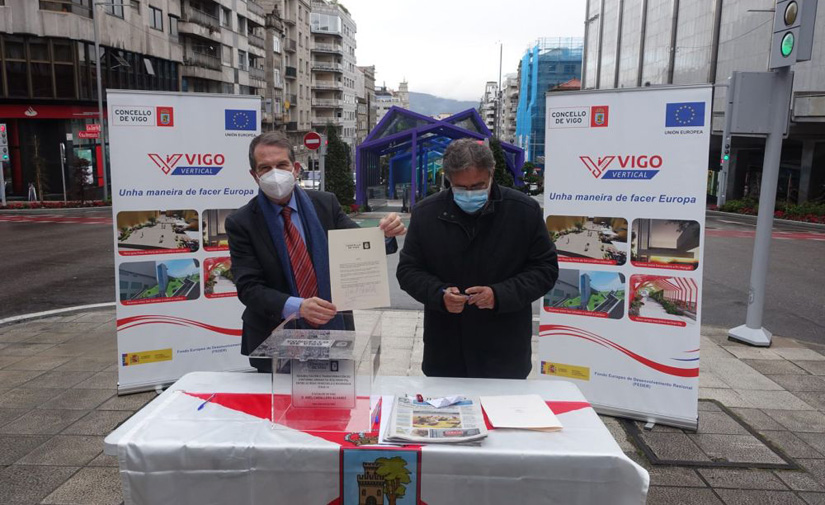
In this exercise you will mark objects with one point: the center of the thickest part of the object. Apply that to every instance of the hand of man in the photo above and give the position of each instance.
(481, 296)
(392, 226)
(453, 300)
(317, 310)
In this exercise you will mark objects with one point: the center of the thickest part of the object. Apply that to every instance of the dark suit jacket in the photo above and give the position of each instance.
(261, 282)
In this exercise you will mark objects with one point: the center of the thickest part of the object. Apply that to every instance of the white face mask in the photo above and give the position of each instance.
(277, 184)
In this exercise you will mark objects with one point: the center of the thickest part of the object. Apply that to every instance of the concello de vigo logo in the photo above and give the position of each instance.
(623, 166)
(189, 163)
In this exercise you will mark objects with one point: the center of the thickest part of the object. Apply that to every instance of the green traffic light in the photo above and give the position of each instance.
(727, 157)
(787, 44)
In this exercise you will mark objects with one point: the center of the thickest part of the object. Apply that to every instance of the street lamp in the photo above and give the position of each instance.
(100, 91)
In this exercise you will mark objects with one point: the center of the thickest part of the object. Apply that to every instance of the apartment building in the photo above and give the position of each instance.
(334, 73)
(369, 93)
(509, 108)
(488, 107)
(386, 98)
(48, 85)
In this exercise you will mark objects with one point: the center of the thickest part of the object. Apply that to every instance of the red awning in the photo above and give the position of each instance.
(48, 112)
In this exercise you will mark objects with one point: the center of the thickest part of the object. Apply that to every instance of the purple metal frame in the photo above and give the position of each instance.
(412, 139)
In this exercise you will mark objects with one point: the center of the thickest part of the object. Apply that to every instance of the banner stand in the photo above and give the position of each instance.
(180, 166)
(625, 193)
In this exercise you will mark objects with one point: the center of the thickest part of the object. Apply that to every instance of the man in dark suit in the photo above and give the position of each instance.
(278, 245)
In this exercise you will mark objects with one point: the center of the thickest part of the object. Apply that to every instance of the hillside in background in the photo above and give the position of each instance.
(430, 105)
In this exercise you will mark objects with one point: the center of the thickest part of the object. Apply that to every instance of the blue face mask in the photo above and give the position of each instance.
(470, 201)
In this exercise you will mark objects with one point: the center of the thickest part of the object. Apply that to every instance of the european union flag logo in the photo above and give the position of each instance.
(685, 114)
(243, 120)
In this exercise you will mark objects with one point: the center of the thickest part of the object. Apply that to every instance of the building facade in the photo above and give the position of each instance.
(633, 43)
(386, 98)
(550, 62)
(509, 108)
(369, 92)
(48, 81)
(488, 108)
(334, 73)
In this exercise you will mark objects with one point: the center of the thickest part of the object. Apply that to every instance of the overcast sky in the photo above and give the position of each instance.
(450, 48)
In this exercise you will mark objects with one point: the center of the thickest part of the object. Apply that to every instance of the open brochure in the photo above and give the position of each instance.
(415, 420)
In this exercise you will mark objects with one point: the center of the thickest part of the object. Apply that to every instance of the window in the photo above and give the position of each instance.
(116, 9)
(227, 88)
(155, 18)
(241, 24)
(226, 55)
(79, 7)
(276, 44)
(226, 18)
(173, 26)
(243, 61)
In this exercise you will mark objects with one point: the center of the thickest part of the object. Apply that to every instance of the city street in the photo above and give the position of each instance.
(64, 258)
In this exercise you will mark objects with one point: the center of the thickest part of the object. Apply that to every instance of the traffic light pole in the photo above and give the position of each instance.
(752, 331)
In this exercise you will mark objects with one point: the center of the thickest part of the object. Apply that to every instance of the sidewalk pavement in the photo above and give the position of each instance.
(58, 382)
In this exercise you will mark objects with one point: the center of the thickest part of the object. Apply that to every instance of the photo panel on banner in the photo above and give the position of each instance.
(624, 202)
(179, 166)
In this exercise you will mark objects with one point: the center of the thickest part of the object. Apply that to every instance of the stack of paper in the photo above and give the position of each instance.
(526, 412)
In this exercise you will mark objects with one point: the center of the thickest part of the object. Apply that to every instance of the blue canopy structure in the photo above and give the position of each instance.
(415, 145)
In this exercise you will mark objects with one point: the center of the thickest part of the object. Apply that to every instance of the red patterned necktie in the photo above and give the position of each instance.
(299, 258)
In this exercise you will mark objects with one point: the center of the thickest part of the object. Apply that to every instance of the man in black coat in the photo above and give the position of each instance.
(278, 245)
(477, 256)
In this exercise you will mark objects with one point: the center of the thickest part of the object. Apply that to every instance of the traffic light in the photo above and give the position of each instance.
(793, 32)
(4, 143)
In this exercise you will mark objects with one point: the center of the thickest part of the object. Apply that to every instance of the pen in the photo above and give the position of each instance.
(202, 405)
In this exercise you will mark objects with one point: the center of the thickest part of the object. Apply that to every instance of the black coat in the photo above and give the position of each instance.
(508, 248)
(261, 282)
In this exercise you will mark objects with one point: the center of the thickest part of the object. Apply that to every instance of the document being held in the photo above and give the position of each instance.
(415, 419)
(358, 269)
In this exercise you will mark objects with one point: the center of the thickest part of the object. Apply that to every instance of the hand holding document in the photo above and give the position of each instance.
(358, 269)
(527, 412)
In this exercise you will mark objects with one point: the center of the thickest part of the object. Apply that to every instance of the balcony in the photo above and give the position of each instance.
(200, 18)
(203, 60)
(291, 72)
(293, 100)
(325, 66)
(292, 126)
(256, 40)
(323, 121)
(327, 85)
(257, 74)
(328, 48)
(278, 84)
(290, 45)
(327, 103)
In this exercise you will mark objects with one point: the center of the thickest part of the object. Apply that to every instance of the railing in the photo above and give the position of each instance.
(293, 99)
(329, 66)
(292, 126)
(277, 83)
(327, 85)
(257, 73)
(255, 8)
(321, 102)
(328, 48)
(290, 45)
(291, 72)
(202, 18)
(335, 121)
(68, 6)
(256, 40)
(203, 60)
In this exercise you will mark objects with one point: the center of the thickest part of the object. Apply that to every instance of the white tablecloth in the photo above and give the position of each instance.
(170, 452)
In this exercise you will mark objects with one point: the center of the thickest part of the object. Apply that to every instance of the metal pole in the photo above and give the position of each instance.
(752, 331)
(2, 183)
(63, 168)
(100, 106)
(498, 101)
(322, 156)
(722, 183)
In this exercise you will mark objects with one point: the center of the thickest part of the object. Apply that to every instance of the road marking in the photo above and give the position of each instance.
(55, 219)
(37, 315)
(739, 223)
(780, 235)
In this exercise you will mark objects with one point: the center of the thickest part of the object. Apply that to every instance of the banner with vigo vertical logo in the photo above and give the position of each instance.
(179, 166)
(624, 202)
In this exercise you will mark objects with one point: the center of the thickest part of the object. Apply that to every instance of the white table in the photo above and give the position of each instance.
(170, 452)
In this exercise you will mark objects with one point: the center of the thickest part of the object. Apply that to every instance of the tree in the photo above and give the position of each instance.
(395, 474)
(82, 176)
(502, 175)
(338, 176)
(530, 177)
(39, 169)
